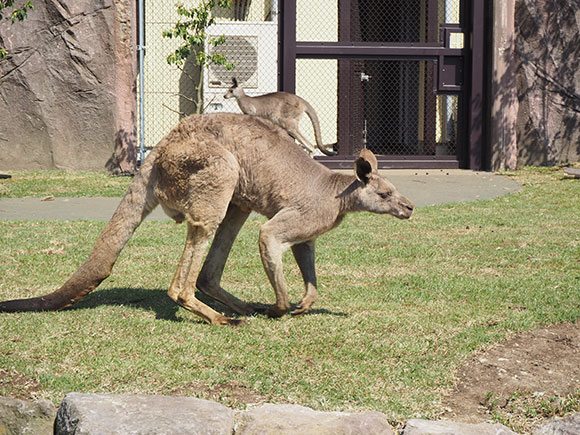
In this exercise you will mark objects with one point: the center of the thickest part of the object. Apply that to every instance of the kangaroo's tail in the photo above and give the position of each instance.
(317, 134)
(137, 203)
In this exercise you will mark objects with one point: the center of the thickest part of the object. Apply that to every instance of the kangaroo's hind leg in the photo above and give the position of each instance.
(304, 256)
(211, 273)
(180, 288)
(293, 130)
(199, 185)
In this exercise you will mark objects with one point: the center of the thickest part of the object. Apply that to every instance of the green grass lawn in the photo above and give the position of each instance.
(402, 305)
(62, 183)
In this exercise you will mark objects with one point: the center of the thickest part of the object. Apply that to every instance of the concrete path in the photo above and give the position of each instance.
(422, 187)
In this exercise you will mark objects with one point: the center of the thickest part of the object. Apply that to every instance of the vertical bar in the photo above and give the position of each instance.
(432, 20)
(462, 144)
(141, 49)
(431, 67)
(344, 78)
(344, 121)
(476, 97)
(287, 43)
(344, 20)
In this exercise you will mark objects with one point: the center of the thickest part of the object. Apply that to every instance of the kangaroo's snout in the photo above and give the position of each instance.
(406, 208)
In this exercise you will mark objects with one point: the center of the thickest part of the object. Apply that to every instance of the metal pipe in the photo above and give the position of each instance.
(274, 11)
(141, 51)
(450, 7)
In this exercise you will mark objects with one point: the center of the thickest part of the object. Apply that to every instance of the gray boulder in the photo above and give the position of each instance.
(561, 426)
(441, 427)
(294, 419)
(22, 417)
(91, 414)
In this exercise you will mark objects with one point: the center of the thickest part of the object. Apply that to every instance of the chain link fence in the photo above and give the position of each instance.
(170, 92)
(393, 106)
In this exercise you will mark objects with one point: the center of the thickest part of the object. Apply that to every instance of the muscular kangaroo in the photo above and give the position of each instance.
(211, 171)
(283, 109)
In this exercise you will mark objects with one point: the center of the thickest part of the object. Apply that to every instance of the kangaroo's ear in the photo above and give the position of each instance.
(365, 165)
(235, 82)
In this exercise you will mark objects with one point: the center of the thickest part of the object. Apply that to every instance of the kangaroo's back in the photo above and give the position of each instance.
(274, 170)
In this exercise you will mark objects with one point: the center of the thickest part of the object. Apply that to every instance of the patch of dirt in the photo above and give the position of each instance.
(231, 393)
(528, 377)
(18, 386)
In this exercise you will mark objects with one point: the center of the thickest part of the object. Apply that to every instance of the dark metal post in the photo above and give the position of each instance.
(430, 85)
(287, 44)
(477, 97)
(344, 81)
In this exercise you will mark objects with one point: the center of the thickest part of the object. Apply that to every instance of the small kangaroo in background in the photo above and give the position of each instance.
(283, 109)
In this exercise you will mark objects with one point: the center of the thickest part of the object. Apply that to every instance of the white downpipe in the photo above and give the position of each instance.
(449, 18)
(274, 10)
(141, 51)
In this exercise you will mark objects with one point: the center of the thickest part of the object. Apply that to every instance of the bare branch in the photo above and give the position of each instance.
(173, 110)
(209, 104)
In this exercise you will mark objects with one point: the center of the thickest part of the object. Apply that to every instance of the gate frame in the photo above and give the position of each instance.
(472, 150)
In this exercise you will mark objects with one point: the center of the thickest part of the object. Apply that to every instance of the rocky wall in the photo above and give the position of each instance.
(132, 414)
(67, 88)
(548, 81)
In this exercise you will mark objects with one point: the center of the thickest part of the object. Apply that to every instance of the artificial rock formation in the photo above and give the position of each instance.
(548, 81)
(67, 89)
(23, 417)
(87, 414)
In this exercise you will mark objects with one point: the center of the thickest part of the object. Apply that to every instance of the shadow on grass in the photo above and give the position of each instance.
(156, 300)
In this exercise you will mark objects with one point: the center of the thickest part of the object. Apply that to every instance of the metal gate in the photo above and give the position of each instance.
(401, 77)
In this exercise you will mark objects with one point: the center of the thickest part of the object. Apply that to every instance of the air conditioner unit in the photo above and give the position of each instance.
(252, 46)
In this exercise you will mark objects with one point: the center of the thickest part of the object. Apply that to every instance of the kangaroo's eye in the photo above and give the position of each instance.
(384, 195)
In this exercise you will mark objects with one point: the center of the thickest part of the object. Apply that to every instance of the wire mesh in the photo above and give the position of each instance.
(317, 83)
(394, 106)
(171, 92)
(395, 21)
(391, 105)
(317, 21)
(401, 114)
(389, 21)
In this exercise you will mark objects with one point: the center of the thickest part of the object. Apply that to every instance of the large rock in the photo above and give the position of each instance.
(67, 88)
(22, 417)
(548, 81)
(294, 419)
(561, 426)
(92, 414)
(441, 427)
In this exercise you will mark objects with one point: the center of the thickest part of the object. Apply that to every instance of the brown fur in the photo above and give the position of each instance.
(211, 171)
(283, 109)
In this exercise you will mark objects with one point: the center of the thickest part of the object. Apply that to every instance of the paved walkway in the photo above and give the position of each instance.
(422, 187)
